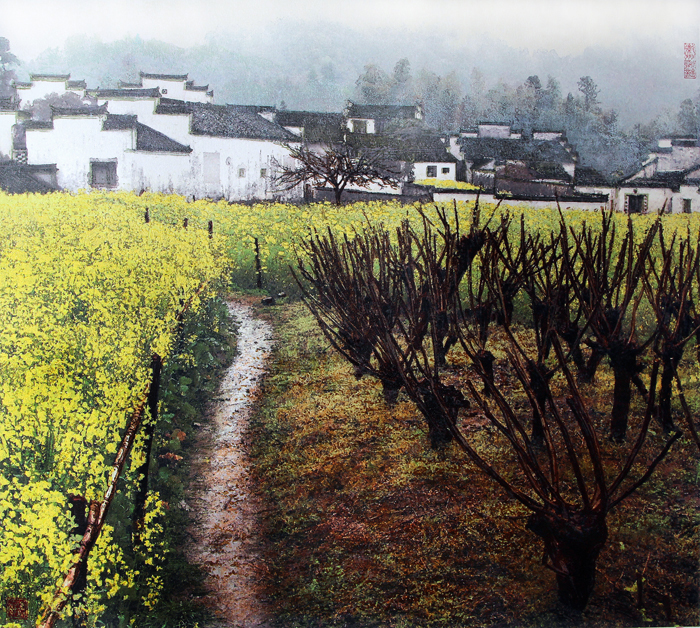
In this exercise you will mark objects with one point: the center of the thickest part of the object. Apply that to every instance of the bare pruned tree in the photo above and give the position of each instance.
(337, 165)
(566, 474)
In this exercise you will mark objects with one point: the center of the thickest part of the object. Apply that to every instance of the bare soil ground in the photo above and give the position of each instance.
(226, 509)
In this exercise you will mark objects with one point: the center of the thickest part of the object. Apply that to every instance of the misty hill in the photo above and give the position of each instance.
(316, 66)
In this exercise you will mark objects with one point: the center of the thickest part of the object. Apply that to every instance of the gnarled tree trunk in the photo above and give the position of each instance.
(572, 544)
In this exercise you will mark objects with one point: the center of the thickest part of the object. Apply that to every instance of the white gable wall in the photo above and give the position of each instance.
(40, 89)
(7, 121)
(231, 168)
(175, 125)
(73, 143)
(420, 170)
(171, 173)
(141, 107)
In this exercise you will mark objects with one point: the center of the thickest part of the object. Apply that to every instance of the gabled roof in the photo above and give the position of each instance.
(190, 87)
(125, 93)
(381, 112)
(164, 77)
(124, 85)
(147, 138)
(76, 85)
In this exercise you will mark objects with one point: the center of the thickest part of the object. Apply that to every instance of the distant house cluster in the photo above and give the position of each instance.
(165, 134)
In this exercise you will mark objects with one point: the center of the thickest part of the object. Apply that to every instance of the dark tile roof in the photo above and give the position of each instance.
(584, 175)
(18, 179)
(37, 124)
(222, 121)
(241, 121)
(164, 77)
(9, 104)
(318, 127)
(410, 147)
(196, 88)
(79, 111)
(380, 112)
(116, 122)
(125, 93)
(671, 180)
(504, 149)
(76, 85)
(21, 84)
(125, 85)
(49, 77)
(147, 138)
(170, 106)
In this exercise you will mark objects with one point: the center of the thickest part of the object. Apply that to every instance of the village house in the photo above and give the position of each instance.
(668, 180)
(135, 138)
(379, 118)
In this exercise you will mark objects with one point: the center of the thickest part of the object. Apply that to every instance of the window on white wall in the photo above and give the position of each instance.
(431, 171)
(687, 205)
(103, 174)
(241, 173)
(263, 173)
(446, 170)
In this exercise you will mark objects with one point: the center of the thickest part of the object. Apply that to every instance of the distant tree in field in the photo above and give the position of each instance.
(336, 165)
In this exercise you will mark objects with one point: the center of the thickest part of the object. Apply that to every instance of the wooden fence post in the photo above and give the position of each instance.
(258, 267)
(149, 430)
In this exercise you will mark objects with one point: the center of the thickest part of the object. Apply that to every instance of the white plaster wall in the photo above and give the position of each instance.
(41, 89)
(7, 121)
(420, 170)
(689, 192)
(158, 172)
(655, 201)
(235, 155)
(175, 126)
(681, 158)
(491, 199)
(73, 142)
(141, 107)
(175, 90)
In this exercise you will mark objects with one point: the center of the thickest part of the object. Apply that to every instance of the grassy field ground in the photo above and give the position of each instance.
(367, 526)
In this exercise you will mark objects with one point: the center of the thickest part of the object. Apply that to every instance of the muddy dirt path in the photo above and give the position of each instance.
(224, 533)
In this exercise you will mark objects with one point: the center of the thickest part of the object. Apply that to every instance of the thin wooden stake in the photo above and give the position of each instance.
(258, 267)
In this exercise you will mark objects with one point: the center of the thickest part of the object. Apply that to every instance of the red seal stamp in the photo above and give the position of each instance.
(16, 608)
(689, 64)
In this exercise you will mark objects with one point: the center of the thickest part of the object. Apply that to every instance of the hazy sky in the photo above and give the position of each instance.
(567, 26)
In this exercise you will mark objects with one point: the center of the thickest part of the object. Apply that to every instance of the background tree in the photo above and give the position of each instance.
(590, 92)
(7, 75)
(336, 165)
